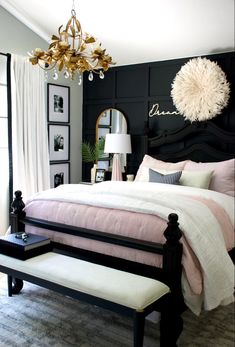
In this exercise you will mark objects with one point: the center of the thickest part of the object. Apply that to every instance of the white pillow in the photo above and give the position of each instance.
(155, 164)
(143, 175)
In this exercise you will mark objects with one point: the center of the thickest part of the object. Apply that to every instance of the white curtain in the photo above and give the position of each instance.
(4, 172)
(29, 128)
(4, 191)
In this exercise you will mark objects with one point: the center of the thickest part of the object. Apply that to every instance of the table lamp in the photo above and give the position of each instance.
(117, 144)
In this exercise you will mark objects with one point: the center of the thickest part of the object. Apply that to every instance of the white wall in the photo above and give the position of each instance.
(16, 38)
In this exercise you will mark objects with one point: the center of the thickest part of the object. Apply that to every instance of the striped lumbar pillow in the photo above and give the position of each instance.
(157, 177)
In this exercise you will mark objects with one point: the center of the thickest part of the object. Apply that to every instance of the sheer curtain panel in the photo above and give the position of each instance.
(4, 158)
(29, 128)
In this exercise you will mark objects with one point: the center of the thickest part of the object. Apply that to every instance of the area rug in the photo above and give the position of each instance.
(41, 318)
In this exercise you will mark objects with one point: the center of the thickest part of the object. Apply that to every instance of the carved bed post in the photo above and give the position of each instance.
(18, 213)
(17, 227)
(172, 254)
(171, 324)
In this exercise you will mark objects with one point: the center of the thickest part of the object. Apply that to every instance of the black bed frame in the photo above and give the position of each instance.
(171, 324)
(196, 141)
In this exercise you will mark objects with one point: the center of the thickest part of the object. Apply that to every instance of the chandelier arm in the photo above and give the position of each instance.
(49, 67)
(96, 72)
(80, 38)
(95, 67)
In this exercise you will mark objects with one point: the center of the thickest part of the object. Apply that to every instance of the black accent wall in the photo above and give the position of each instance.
(133, 89)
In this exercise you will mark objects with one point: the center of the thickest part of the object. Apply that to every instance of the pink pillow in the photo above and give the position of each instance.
(222, 179)
(155, 164)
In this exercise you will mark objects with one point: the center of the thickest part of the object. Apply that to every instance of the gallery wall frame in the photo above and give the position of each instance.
(58, 103)
(59, 142)
(59, 174)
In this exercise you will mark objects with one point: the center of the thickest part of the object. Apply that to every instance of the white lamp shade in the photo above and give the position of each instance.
(117, 143)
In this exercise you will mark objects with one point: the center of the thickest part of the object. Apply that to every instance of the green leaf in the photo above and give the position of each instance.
(90, 153)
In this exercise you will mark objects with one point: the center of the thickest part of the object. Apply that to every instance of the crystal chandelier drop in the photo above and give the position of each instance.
(73, 52)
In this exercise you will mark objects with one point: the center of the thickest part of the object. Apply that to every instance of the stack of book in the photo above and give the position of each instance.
(15, 246)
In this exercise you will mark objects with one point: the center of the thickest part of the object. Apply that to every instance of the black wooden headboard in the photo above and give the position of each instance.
(204, 142)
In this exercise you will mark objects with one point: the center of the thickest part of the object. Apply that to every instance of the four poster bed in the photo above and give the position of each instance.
(134, 226)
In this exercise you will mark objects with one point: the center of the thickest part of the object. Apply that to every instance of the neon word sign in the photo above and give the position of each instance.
(155, 111)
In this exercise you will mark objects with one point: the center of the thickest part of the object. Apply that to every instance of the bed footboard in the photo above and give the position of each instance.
(171, 250)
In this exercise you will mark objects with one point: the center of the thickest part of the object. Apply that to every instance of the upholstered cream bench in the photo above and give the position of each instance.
(122, 292)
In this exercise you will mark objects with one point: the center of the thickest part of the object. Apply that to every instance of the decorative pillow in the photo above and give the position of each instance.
(155, 164)
(158, 177)
(223, 176)
(199, 179)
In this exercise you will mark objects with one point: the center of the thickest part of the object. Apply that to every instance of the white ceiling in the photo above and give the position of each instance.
(136, 31)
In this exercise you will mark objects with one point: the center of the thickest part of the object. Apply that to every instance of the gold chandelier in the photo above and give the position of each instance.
(73, 52)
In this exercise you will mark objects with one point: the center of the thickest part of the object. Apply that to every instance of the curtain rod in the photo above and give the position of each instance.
(6, 54)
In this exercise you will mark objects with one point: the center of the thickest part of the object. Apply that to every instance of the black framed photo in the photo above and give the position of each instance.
(59, 139)
(99, 175)
(58, 103)
(59, 174)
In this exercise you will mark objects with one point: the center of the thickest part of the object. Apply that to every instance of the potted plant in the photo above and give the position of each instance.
(91, 154)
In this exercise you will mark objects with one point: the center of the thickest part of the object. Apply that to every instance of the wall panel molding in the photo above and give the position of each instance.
(133, 89)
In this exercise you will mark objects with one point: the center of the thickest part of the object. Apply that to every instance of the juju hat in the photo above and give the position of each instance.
(200, 90)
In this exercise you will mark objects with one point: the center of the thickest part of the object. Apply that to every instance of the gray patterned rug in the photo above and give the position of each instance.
(41, 318)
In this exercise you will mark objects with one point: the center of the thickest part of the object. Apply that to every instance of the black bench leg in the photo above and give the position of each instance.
(17, 285)
(9, 285)
(14, 285)
(139, 322)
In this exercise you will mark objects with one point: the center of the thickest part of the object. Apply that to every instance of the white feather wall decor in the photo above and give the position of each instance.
(200, 90)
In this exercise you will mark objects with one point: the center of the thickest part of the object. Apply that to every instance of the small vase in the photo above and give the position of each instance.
(93, 172)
